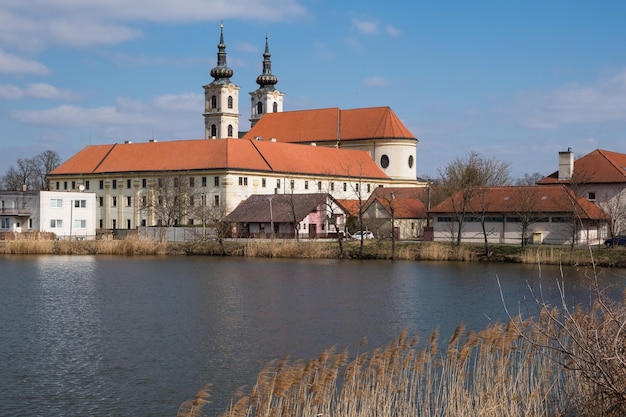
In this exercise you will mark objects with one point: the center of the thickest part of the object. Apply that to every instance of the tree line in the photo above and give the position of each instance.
(30, 173)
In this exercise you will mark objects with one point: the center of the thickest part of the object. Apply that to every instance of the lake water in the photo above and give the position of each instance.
(122, 336)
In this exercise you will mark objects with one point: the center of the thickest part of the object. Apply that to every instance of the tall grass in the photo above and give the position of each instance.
(129, 246)
(489, 373)
(561, 362)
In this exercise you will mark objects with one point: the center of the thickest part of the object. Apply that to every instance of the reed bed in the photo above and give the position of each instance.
(490, 373)
(129, 246)
(562, 362)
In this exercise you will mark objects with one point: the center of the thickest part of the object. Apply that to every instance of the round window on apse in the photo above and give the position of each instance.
(384, 161)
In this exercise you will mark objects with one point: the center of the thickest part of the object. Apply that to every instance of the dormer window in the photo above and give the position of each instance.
(591, 196)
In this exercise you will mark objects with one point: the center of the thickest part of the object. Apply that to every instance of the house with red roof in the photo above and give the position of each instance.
(600, 176)
(401, 209)
(551, 214)
(346, 153)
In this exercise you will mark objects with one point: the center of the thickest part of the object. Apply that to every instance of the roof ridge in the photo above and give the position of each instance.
(609, 160)
(104, 157)
(261, 154)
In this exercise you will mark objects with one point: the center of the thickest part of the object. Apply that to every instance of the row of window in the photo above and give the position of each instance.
(214, 102)
(58, 223)
(144, 201)
(58, 203)
(115, 184)
(230, 132)
(243, 181)
(498, 219)
(143, 223)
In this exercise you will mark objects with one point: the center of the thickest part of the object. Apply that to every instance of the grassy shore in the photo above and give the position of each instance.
(372, 249)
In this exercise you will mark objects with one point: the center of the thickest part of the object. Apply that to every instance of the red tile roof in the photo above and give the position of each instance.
(536, 199)
(599, 166)
(351, 206)
(408, 202)
(326, 125)
(229, 154)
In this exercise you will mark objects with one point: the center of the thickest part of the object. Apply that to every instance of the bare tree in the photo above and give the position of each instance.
(168, 200)
(211, 217)
(524, 206)
(31, 173)
(615, 208)
(333, 216)
(481, 211)
(529, 179)
(44, 163)
(463, 175)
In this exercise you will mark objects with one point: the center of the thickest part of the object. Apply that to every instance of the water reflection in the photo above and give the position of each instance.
(106, 336)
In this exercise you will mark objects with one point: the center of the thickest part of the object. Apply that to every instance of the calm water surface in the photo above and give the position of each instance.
(118, 336)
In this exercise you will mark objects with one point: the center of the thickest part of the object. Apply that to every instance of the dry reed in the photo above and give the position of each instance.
(490, 373)
(129, 246)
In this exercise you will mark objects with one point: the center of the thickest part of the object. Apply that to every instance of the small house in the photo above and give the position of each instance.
(288, 216)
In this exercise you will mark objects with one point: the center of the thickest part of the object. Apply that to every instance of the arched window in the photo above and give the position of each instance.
(259, 108)
(230, 131)
(213, 131)
(230, 102)
(214, 102)
(275, 107)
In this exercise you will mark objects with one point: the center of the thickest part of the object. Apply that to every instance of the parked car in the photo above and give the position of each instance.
(366, 234)
(615, 241)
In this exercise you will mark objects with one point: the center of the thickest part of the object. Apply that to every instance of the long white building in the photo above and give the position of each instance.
(346, 153)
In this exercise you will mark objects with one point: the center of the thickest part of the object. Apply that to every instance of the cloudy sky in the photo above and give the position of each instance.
(518, 81)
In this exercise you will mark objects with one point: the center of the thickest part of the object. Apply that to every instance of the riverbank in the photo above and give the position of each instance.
(372, 249)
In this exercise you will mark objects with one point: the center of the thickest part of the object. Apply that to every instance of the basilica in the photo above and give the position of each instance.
(346, 153)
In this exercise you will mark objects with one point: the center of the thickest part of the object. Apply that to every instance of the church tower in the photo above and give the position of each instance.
(266, 99)
(221, 99)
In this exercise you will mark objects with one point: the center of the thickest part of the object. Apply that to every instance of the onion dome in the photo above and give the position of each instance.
(221, 73)
(267, 80)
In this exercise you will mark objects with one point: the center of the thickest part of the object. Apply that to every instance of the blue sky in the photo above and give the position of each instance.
(516, 81)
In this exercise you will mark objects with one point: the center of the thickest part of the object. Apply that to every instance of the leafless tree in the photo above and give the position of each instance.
(168, 199)
(45, 162)
(615, 208)
(463, 175)
(212, 227)
(31, 173)
(524, 206)
(333, 215)
(480, 210)
(529, 179)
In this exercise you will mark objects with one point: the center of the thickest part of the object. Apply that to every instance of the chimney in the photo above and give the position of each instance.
(566, 164)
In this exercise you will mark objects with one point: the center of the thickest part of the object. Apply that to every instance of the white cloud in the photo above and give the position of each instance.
(376, 82)
(37, 90)
(393, 31)
(165, 111)
(368, 27)
(605, 101)
(12, 64)
(47, 91)
(10, 92)
(34, 24)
